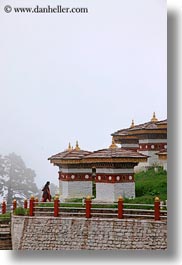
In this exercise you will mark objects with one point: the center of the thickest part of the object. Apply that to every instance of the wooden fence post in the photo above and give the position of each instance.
(120, 207)
(25, 204)
(3, 207)
(56, 206)
(88, 206)
(31, 206)
(14, 205)
(157, 209)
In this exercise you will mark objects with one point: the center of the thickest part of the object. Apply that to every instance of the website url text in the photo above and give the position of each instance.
(47, 9)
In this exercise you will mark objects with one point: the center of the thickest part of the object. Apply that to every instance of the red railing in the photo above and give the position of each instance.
(92, 209)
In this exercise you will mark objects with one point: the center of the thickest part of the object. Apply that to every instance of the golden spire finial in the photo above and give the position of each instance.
(113, 145)
(77, 146)
(154, 119)
(132, 124)
(69, 147)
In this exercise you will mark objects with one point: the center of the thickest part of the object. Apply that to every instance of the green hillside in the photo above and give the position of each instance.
(150, 184)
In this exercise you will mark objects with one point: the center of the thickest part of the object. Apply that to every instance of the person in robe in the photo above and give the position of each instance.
(46, 196)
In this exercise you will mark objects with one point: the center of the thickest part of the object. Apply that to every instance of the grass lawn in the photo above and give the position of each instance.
(5, 217)
(151, 184)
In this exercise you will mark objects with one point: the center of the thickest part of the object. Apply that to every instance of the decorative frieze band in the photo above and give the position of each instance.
(75, 177)
(101, 177)
(114, 178)
(152, 146)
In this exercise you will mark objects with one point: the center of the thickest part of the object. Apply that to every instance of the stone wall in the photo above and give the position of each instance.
(49, 233)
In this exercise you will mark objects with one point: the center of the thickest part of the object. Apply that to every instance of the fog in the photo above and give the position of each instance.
(68, 77)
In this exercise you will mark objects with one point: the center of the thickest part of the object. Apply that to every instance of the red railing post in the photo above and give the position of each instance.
(25, 204)
(14, 205)
(88, 206)
(31, 206)
(120, 207)
(56, 206)
(157, 209)
(3, 207)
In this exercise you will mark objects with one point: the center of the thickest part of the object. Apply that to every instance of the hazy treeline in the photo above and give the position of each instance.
(17, 181)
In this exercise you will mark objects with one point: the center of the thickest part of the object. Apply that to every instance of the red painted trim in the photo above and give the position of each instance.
(31, 205)
(3, 207)
(88, 207)
(114, 178)
(151, 146)
(120, 209)
(100, 177)
(14, 205)
(56, 207)
(157, 210)
(75, 177)
(25, 204)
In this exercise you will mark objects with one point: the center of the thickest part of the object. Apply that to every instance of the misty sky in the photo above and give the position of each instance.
(68, 77)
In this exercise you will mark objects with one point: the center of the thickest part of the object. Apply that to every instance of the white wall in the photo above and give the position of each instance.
(105, 191)
(126, 190)
(76, 189)
(111, 191)
(114, 170)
